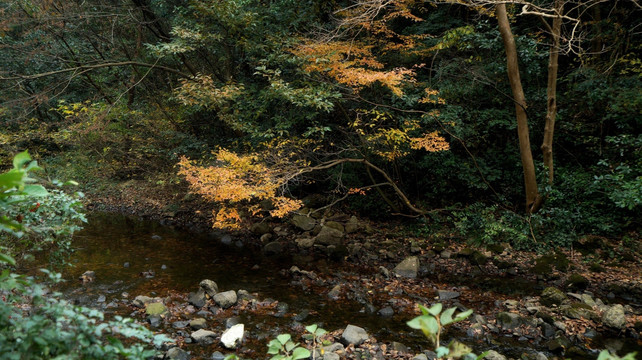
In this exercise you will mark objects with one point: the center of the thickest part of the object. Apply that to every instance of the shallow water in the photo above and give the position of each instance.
(119, 248)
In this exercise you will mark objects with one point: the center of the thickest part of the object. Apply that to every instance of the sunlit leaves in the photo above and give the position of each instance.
(235, 180)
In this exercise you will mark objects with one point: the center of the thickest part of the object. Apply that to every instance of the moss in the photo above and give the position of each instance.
(544, 264)
(496, 248)
(155, 309)
(577, 282)
(477, 258)
(595, 267)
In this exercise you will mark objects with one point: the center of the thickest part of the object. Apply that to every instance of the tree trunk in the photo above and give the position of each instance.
(533, 199)
(551, 91)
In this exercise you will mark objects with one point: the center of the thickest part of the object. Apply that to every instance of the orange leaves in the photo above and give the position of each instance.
(431, 142)
(351, 64)
(235, 181)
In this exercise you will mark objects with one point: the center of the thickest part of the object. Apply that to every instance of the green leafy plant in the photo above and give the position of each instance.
(314, 335)
(606, 355)
(432, 322)
(37, 325)
(283, 348)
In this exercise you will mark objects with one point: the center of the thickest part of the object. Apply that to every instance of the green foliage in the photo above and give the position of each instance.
(432, 322)
(606, 355)
(37, 325)
(283, 348)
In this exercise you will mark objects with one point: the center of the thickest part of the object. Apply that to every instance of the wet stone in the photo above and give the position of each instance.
(552, 296)
(354, 335)
(198, 298)
(225, 299)
(209, 287)
(177, 354)
(203, 336)
(198, 323)
(180, 324)
(154, 320)
(217, 356)
(397, 346)
(614, 317)
(273, 248)
(386, 312)
(447, 295)
(234, 320)
(408, 268)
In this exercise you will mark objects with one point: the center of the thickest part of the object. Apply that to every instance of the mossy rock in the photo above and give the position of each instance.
(155, 309)
(552, 296)
(496, 248)
(438, 247)
(546, 316)
(477, 258)
(503, 265)
(589, 244)
(544, 264)
(579, 311)
(577, 282)
(597, 268)
(466, 252)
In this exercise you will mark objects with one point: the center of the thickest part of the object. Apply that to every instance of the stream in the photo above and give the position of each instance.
(121, 250)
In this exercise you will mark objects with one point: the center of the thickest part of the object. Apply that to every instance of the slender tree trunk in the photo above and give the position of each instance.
(533, 199)
(551, 91)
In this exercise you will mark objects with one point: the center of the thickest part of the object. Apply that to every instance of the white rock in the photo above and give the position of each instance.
(233, 336)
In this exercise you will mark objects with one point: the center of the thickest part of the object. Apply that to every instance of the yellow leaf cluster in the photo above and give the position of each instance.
(203, 91)
(236, 181)
(432, 97)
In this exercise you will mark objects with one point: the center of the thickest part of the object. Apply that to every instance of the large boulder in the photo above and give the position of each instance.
(552, 296)
(408, 268)
(329, 236)
(225, 299)
(354, 335)
(303, 222)
(273, 248)
(614, 317)
(209, 287)
(233, 336)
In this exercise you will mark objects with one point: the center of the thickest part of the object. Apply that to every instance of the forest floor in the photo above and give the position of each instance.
(490, 280)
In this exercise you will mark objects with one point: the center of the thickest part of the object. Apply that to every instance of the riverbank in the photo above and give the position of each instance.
(387, 269)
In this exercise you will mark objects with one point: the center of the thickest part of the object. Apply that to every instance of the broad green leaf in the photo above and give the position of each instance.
(7, 259)
(311, 328)
(21, 159)
(283, 338)
(300, 353)
(8, 180)
(35, 190)
(435, 309)
(447, 316)
(482, 355)
(442, 351)
(290, 345)
(458, 349)
(424, 310)
(463, 315)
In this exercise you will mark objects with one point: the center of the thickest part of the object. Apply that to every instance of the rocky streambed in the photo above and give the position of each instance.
(218, 294)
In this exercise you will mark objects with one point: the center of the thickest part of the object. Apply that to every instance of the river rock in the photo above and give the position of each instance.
(335, 225)
(475, 331)
(354, 335)
(198, 323)
(331, 356)
(614, 317)
(447, 294)
(244, 295)
(209, 287)
(176, 353)
(397, 346)
(329, 236)
(386, 312)
(234, 320)
(154, 320)
(420, 357)
(508, 321)
(577, 282)
(141, 301)
(303, 222)
(578, 311)
(273, 248)
(408, 268)
(225, 299)
(198, 298)
(552, 296)
(305, 243)
(217, 355)
(494, 355)
(203, 336)
(260, 228)
(352, 226)
(155, 309)
(87, 276)
(335, 292)
(233, 336)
